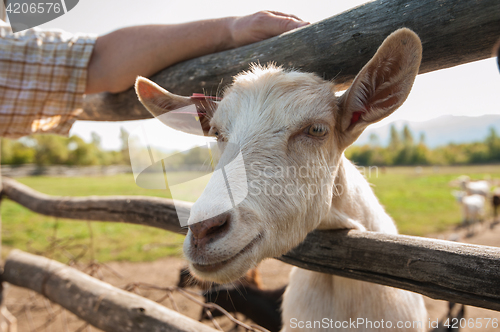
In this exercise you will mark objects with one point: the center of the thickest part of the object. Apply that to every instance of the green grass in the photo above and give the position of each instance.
(26, 230)
(422, 203)
(419, 203)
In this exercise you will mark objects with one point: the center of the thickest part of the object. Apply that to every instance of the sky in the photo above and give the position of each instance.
(472, 89)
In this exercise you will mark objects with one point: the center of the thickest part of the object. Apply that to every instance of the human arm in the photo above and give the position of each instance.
(120, 56)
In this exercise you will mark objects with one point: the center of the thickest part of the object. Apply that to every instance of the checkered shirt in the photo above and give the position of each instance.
(43, 75)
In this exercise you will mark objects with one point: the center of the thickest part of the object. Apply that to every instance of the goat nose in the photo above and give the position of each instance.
(210, 228)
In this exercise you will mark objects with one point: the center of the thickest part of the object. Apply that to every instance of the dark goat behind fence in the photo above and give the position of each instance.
(262, 306)
(244, 296)
(495, 200)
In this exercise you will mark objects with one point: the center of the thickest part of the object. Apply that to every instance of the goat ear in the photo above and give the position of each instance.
(188, 114)
(382, 85)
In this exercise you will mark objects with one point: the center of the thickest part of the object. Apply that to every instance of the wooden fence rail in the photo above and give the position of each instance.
(141, 210)
(106, 307)
(440, 269)
(453, 32)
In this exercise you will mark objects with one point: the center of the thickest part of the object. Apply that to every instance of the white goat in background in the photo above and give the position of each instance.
(285, 119)
(472, 206)
(480, 187)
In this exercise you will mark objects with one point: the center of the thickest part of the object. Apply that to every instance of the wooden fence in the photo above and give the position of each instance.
(453, 32)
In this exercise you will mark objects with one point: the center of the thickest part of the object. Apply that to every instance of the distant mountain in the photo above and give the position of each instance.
(440, 131)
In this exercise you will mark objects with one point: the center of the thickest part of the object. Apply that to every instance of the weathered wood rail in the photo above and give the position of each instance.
(141, 210)
(453, 32)
(106, 307)
(440, 269)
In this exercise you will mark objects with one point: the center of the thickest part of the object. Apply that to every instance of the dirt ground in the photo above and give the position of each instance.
(34, 313)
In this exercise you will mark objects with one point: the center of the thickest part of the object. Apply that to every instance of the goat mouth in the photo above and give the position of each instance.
(218, 265)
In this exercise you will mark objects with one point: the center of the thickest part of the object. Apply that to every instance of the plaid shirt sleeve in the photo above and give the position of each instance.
(43, 75)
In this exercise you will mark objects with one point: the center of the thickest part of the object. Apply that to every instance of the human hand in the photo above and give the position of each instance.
(262, 25)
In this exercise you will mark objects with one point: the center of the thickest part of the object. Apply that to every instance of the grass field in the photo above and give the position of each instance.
(420, 203)
(26, 230)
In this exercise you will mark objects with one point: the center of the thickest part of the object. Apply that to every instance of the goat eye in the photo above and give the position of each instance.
(214, 132)
(317, 130)
(218, 136)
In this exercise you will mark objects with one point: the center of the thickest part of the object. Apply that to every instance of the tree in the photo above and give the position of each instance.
(22, 154)
(374, 140)
(6, 150)
(421, 141)
(493, 144)
(16, 152)
(125, 155)
(50, 149)
(96, 139)
(407, 137)
(82, 153)
(394, 140)
(196, 156)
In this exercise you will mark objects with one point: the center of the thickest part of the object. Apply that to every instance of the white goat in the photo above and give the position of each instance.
(472, 206)
(286, 121)
(481, 187)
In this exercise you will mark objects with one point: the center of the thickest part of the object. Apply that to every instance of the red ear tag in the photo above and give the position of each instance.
(201, 96)
(355, 117)
(200, 108)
